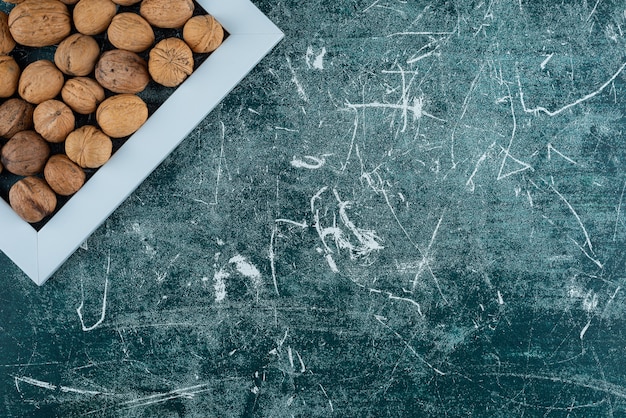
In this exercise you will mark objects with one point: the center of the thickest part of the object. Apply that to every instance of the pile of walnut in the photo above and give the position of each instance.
(39, 102)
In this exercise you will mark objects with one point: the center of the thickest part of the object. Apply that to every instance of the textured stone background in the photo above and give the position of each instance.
(409, 208)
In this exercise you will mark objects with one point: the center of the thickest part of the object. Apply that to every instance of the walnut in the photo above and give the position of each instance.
(122, 71)
(25, 154)
(121, 115)
(9, 76)
(126, 2)
(203, 34)
(53, 120)
(39, 23)
(7, 43)
(92, 17)
(88, 147)
(170, 62)
(16, 115)
(166, 13)
(82, 94)
(131, 32)
(40, 81)
(77, 55)
(32, 199)
(63, 175)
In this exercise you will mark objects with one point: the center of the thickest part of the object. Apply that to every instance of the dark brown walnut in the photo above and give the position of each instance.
(38, 23)
(170, 62)
(16, 115)
(77, 55)
(25, 154)
(203, 34)
(122, 71)
(166, 13)
(7, 43)
(82, 94)
(53, 120)
(92, 17)
(40, 81)
(9, 76)
(88, 147)
(32, 199)
(131, 32)
(121, 115)
(63, 175)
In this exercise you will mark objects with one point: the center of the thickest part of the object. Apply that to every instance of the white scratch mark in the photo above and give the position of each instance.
(79, 310)
(219, 164)
(295, 81)
(619, 209)
(500, 298)
(219, 285)
(314, 164)
(573, 211)
(551, 149)
(507, 152)
(331, 263)
(282, 128)
(302, 224)
(570, 105)
(247, 269)
(330, 403)
(584, 330)
(318, 60)
(593, 10)
(272, 258)
(470, 182)
(548, 58)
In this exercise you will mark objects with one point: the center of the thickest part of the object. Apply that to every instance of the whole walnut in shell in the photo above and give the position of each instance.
(82, 94)
(38, 23)
(77, 55)
(40, 81)
(7, 43)
(88, 147)
(9, 76)
(167, 13)
(92, 17)
(53, 120)
(121, 115)
(131, 32)
(170, 62)
(16, 115)
(122, 71)
(126, 2)
(32, 199)
(63, 175)
(25, 154)
(203, 34)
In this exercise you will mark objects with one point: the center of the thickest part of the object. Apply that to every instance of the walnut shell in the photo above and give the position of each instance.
(126, 2)
(131, 32)
(7, 43)
(77, 55)
(203, 34)
(9, 76)
(25, 154)
(63, 175)
(39, 23)
(121, 115)
(170, 62)
(16, 115)
(69, 2)
(40, 81)
(32, 199)
(167, 13)
(53, 120)
(92, 17)
(122, 71)
(88, 147)
(82, 94)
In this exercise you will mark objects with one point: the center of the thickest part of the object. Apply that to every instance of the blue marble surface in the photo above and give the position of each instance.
(409, 208)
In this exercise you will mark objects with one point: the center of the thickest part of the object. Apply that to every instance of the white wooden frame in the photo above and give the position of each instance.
(40, 253)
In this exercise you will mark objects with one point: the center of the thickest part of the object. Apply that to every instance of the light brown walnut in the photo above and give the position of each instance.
(122, 71)
(38, 23)
(170, 62)
(121, 115)
(25, 154)
(77, 55)
(203, 34)
(7, 43)
(9, 76)
(92, 17)
(53, 120)
(63, 175)
(167, 13)
(131, 32)
(88, 147)
(40, 81)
